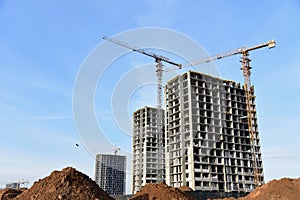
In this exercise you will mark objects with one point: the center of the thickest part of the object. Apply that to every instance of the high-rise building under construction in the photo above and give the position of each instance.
(208, 144)
(147, 160)
(110, 173)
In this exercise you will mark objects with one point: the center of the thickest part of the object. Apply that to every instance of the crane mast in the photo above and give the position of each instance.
(160, 138)
(246, 70)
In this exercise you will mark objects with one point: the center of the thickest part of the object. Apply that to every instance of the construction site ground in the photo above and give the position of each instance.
(70, 184)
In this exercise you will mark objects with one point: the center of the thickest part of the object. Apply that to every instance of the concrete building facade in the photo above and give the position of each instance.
(110, 173)
(148, 164)
(207, 138)
(14, 185)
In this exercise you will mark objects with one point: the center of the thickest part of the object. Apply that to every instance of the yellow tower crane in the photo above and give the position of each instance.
(246, 70)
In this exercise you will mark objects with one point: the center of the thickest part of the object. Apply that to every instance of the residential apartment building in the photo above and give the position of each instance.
(110, 173)
(208, 145)
(148, 158)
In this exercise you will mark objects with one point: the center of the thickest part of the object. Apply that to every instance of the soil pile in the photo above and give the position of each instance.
(160, 191)
(66, 184)
(7, 194)
(283, 189)
(185, 188)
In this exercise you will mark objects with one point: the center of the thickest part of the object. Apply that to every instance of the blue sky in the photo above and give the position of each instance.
(44, 43)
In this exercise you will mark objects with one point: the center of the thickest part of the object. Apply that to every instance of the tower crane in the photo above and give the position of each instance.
(159, 73)
(246, 70)
(116, 150)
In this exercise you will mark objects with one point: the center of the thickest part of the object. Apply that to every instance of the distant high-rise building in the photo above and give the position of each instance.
(148, 163)
(208, 144)
(14, 185)
(110, 173)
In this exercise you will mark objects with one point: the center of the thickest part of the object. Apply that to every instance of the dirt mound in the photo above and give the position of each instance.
(283, 189)
(66, 184)
(160, 191)
(9, 193)
(185, 188)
